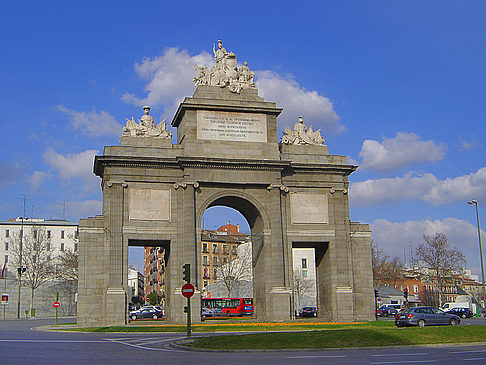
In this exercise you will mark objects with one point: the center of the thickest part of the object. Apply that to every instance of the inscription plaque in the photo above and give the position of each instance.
(309, 208)
(230, 126)
(153, 205)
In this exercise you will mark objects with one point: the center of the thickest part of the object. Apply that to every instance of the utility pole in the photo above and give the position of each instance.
(20, 269)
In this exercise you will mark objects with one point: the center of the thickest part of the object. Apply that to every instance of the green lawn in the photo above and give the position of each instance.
(366, 336)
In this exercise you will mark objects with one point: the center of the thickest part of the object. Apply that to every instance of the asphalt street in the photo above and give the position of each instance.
(21, 343)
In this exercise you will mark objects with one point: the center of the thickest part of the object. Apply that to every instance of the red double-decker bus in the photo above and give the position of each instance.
(229, 306)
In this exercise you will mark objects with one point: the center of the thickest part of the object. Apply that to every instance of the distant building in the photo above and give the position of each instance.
(219, 247)
(135, 286)
(303, 261)
(155, 272)
(61, 235)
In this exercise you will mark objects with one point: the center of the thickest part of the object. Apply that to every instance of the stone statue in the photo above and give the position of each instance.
(300, 135)
(224, 72)
(146, 127)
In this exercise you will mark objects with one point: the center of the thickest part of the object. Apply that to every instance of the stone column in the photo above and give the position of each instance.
(184, 251)
(278, 302)
(116, 296)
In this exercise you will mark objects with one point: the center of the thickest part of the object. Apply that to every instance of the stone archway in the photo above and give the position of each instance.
(227, 153)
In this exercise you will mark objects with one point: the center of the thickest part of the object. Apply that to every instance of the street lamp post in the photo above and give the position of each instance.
(475, 202)
(19, 269)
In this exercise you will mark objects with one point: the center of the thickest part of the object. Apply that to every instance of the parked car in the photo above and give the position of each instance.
(146, 313)
(308, 312)
(388, 310)
(424, 316)
(211, 312)
(461, 312)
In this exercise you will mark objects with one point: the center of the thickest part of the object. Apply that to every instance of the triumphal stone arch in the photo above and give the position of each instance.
(292, 192)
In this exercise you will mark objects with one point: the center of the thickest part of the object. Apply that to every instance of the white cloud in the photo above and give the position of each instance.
(401, 238)
(390, 190)
(93, 123)
(74, 210)
(170, 77)
(470, 145)
(73, 166)
(316, 109)
(37, 178)
(425, 187)
(393, 153)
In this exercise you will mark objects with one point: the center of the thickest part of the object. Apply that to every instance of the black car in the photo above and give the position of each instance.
(461, 312)
(152, 313)
(425, 316)
(308, 312)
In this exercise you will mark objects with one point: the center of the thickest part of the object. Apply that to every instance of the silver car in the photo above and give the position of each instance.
(424, 316)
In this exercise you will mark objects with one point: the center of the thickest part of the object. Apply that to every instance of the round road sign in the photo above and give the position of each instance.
(56, 304)
(187, 290)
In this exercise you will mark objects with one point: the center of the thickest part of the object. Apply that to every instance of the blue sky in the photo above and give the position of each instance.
(398, 87)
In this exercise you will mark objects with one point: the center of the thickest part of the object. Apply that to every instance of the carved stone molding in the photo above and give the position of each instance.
(333, 190)
(280, 186)
(185, 183)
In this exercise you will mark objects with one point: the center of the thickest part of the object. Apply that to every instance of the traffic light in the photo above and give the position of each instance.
(187, 273)
(21, 270)
(405, 293)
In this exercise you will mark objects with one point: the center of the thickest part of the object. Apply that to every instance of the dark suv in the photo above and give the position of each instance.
(308, 312)
(461, 312)
(424, 316)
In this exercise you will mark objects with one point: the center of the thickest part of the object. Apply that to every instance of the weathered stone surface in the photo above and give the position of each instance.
(273, 185)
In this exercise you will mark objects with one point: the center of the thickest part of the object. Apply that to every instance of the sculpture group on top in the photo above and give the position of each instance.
(225, 72)
(146, 127)
(302, 135)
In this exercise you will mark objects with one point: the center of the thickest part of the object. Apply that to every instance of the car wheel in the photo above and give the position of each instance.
(421, 323)
(134, 317)
(463, 316)
(385, 314)
(228, 314)
(453, 322)
(155, 316)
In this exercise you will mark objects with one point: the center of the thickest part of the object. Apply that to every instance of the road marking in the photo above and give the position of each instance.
(475, 358)
(54, 341)
(421, 354)
(466, 352)
(114, 340)
(316, 357)
(403, 362)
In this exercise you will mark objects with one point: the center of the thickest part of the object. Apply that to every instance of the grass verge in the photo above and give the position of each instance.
(366, 336)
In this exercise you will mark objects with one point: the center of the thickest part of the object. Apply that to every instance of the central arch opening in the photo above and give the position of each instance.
(231, 236)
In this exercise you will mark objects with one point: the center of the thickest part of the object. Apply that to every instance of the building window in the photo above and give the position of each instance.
(75, 247)
(62, 246)
(48, 245)
(215, 261)
(415, 288)
(7, 233)
(225, 260)
(225, 249)
(215, 248)
(304, 274)
(76, 233)
(6, 259)
(304, 263)
(62, 234)
(6, 246)
(48, 234)
(205, 283)
(35, 233)
(205, 247)
(233, 250)
(205, 260)
(215, 274)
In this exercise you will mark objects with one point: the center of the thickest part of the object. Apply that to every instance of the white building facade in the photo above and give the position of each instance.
(61, 235)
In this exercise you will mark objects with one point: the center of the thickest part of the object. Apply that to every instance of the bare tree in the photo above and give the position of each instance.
(438, 261)
(32, 252)
(234, 266)
(67, 267)
(302, 285)
(385, 271)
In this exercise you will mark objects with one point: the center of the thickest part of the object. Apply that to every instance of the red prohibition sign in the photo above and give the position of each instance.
(187, 290)
(56, 304)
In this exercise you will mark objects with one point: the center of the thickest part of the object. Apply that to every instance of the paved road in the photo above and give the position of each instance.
(19, 344)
